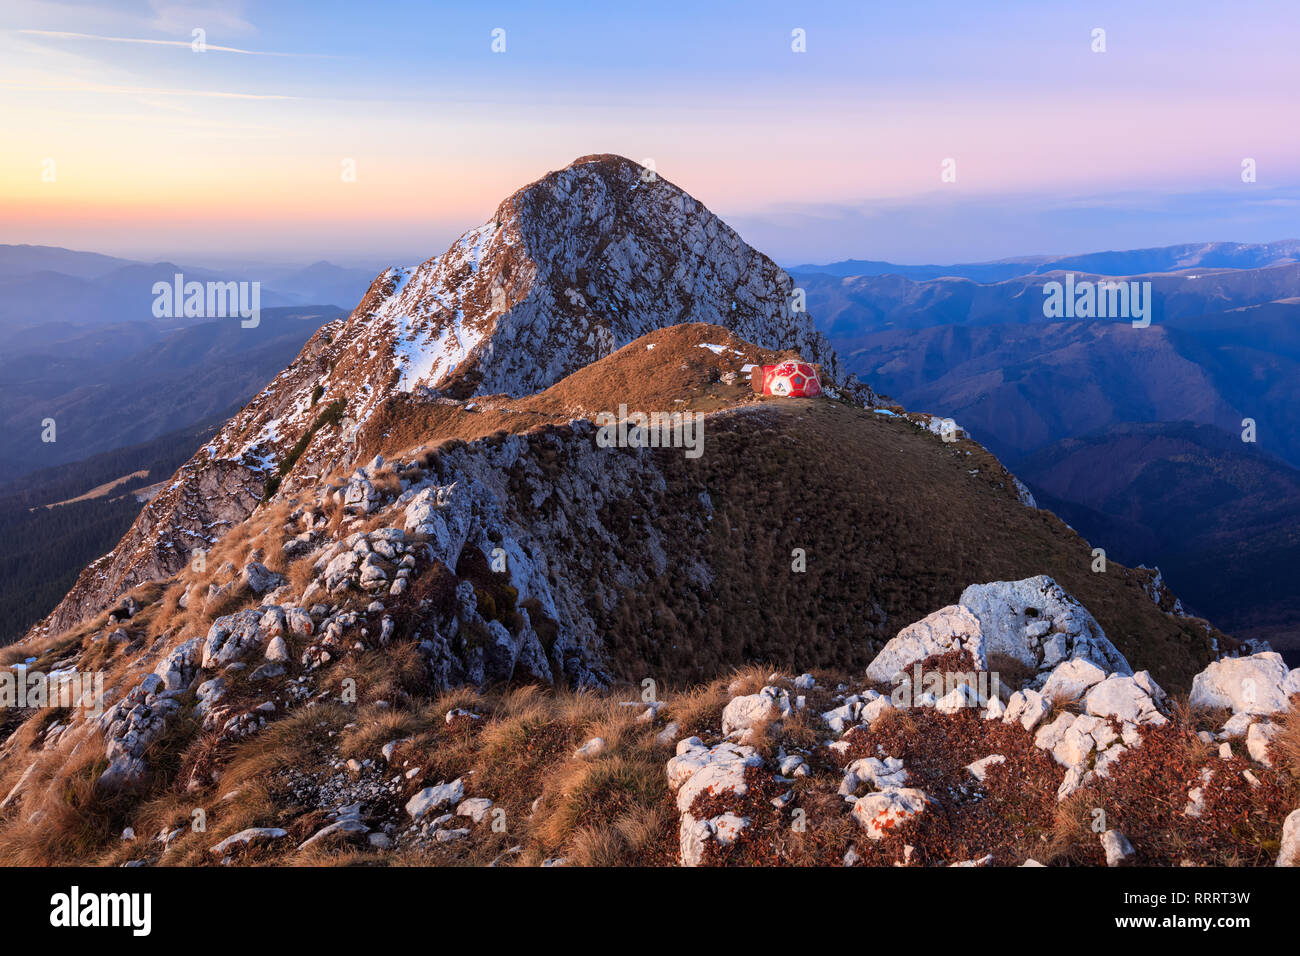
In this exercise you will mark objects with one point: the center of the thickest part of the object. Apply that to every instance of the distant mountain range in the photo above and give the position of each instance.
(83, 346)
(52, 288)
(1021, 387)
(119, 384)
(1221, 518)
(1195, 255)
(857, 305)
(1066, 404)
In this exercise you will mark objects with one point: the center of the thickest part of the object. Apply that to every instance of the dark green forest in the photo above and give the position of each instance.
(44, 549)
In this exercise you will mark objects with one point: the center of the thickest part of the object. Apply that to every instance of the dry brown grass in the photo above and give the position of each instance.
(300, 573)
(1285, 747)
(699, 708)
(609, 810)
(44, 650)
(1071, 831)
(169, 614)
(387, 482)
(373, 727)
(1012, 673)
(61, 818)
(393, 674)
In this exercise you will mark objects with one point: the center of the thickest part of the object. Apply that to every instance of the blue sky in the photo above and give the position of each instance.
(831, 153)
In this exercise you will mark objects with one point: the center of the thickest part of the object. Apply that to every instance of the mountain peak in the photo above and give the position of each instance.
(570, 269)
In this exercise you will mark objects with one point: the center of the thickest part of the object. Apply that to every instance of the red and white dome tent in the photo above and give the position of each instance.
(789, 379)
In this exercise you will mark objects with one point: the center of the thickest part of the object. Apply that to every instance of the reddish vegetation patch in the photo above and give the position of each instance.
(1013, 814)
(1145, 794)
(1009, 815)
(950, 662)
(755, 846)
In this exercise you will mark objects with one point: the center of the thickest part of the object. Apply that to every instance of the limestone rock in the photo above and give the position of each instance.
(1289, 852)
(1246, 685)
(743, 713)
(952, 628)
(981, 767)
(435, 798)
(247, 838)
(1035, 622)
(880, 813)
(1127, 699)
(1258, 739)
(1119, 852)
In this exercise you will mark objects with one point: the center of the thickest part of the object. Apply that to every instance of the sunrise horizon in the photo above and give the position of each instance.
(220, 132)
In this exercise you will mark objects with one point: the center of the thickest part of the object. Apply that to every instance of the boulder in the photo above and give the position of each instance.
(1119, 852)
(880, 813)
(1288, 853)
(130, 726)
(247, 838)
(233, 637)
(1072, 679)
(717, 769)
(435, 798)
(1027, 708)
(794, 765)
(1127, 699)
(882, 774)
(178, 668)
(962, 697)
(298, 622)
(340, 570)
(952, 628)
(694, 836)
(349, 826)
(1036, 623)
(209, 692)
(980, 767)
(1258, 738)
(360, 496)
(743, 713)
(1246, 685)
(476, 808)
(260, 578)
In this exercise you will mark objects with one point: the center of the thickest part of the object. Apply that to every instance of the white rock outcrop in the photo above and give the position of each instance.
(1289, 852)
(1259, 684)
(718, 771)
(953, 628)
(435, 798)
(743, 713)
(881, 813)
(1038, 624)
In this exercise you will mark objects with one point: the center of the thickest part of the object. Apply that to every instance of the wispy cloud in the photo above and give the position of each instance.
(208, 47)
(145, 91)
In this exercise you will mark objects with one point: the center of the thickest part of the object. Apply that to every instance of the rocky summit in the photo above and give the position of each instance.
(515, 566)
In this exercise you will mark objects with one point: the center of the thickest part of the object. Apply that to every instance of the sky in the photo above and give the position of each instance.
(121, 137)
